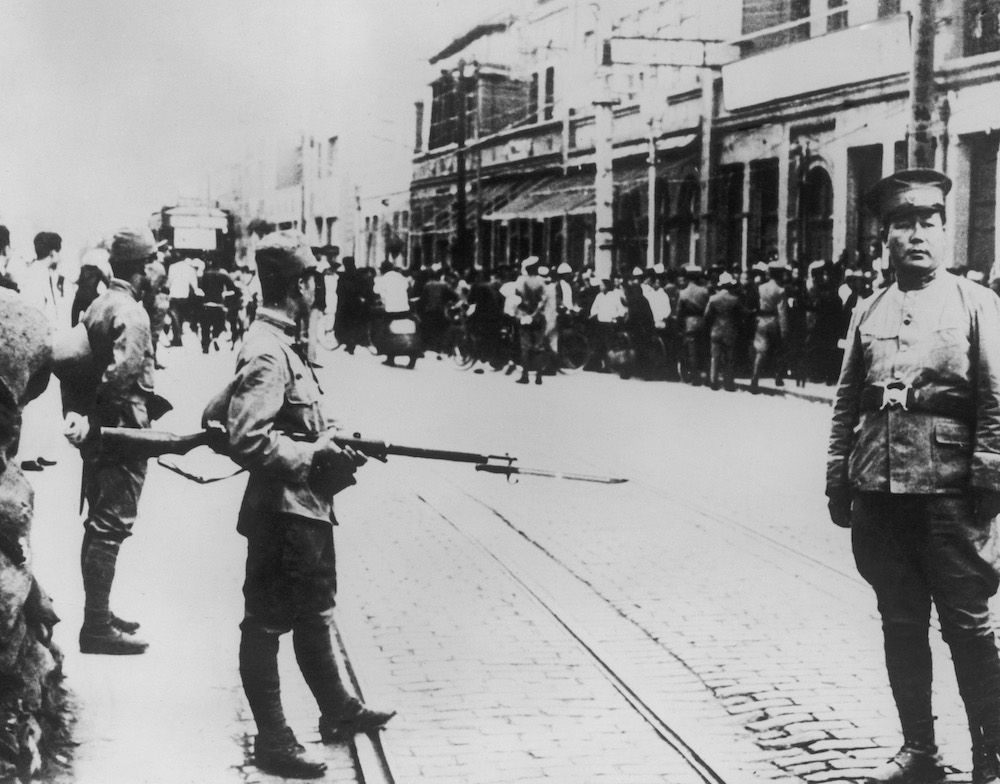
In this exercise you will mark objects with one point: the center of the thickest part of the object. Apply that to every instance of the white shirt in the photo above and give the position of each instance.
(659, 303)
(182, 279)
(608, 306)
(394, 290)
(511, 298)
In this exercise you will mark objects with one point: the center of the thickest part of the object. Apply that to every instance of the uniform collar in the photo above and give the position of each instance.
(279, 321)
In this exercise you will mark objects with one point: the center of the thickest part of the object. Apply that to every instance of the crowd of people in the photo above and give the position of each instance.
(690, 324)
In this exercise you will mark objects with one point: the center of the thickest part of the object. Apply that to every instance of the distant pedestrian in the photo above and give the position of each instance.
(182, 282)
(771, 331)
(533, 298)
(691, 303)
(723, 314)
(354, 303)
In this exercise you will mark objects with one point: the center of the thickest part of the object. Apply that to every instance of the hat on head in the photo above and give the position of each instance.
(530, 261)
(131, 245)
(907, 191)
(760, 266)
(564, 269)
(725, 279)
(284, 254)
(691, 269)
(658, 268)
(776, 265)
(637, 272)
(543, 271)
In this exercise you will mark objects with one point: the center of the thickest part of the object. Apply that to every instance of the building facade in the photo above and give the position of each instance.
(751, 128)
(523, 117)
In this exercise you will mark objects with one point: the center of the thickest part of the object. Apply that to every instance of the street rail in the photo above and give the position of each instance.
(702, 769)
(371, 763)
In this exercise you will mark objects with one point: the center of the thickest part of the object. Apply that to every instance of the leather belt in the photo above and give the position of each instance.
(902, 396)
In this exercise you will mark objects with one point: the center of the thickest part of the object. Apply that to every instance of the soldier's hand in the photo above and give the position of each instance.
(839, 504)
(987, 504)
(76, 428)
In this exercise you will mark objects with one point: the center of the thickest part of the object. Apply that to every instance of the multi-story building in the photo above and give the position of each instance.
(817, 109)
(298, 184)
(765, 146)
(522, 120)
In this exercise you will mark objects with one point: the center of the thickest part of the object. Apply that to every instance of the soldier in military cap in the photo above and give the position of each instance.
(279, 433)
(113, 391)
(914, 470)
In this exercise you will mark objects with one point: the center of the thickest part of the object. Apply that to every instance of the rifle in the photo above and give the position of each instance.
(140, 443)
(490, 464)
(151, 443)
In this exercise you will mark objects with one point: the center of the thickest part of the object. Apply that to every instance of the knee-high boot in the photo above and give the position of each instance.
(275, 748)
(261, 682)
(908, 662)
(99, 558)
(314, 655)
(977, 670)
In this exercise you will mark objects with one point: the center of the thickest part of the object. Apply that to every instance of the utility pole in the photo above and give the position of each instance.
(604, 184)
(920, 150)
(461, 230)
(651, 198)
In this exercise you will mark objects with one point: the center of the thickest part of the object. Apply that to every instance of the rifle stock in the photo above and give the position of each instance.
(143, 444)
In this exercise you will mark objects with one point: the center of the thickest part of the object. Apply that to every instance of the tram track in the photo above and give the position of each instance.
(559, 601)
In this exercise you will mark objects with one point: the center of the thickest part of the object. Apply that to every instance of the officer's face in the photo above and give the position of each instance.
(916, 241)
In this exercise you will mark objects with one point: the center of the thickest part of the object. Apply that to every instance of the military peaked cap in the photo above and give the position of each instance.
(908, 190)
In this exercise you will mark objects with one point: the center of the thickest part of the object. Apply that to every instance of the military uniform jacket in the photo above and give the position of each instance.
(944, 342)
(273, 396)
(691, 305)
(118, 331)
(723, 314)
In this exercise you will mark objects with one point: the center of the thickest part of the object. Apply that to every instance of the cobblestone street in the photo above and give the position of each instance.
(538, 631)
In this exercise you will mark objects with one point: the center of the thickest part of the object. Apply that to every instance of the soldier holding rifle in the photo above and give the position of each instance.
(278, 432)
(914, 470)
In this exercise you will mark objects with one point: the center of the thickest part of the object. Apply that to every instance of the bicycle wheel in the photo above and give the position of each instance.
(463, 351)
(574, 351)
(620, 354)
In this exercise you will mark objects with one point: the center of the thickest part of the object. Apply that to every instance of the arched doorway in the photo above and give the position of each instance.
(817, 215)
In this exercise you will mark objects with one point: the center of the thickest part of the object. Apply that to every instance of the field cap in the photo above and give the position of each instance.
(284, 254)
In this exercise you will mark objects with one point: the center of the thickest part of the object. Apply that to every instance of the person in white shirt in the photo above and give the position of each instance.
(182, 283)
(658, 299)
(393, 288)
(36, 280)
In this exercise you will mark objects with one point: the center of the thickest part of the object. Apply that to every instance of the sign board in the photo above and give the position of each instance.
(850, 56)
(639, 50)
(194, 239)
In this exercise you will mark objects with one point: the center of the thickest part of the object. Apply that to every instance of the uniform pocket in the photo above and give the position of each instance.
(952, 453)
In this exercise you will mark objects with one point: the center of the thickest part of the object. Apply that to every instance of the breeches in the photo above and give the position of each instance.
(291, 573)
(915, 549)
(112, 491)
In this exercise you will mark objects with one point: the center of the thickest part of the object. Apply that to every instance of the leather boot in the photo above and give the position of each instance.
(909, 766)
(280, 754)
(355, 718)
(98, 635)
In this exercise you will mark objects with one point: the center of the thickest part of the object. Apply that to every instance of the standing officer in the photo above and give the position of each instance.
(914, 470)
(278, 432)
(113, 392)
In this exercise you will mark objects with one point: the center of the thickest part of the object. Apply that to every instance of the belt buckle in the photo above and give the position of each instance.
(894, 394)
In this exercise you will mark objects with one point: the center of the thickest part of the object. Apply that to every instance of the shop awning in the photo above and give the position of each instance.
(574, 194)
